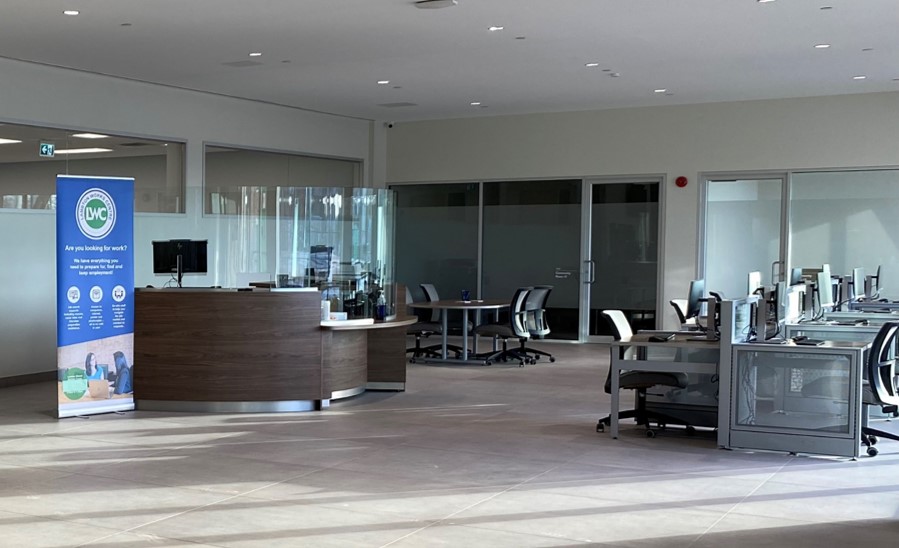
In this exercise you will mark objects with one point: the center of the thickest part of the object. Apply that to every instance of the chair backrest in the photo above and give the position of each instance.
(621, 328)
(535, 306)
(518, 313)
(431, 296)
(882, 364)
(680, 308)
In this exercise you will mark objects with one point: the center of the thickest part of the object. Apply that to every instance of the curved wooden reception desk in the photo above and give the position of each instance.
(255, 351)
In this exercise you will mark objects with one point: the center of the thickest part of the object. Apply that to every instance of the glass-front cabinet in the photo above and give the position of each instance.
(801, 400)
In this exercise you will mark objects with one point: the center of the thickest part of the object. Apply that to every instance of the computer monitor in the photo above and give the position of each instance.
(179, 257)
(755, 282)
(872, 284)
(825, 290)
(795, 276)
(694, 299)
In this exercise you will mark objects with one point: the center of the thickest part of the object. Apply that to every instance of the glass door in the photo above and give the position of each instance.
(621, 247)
(744, 220)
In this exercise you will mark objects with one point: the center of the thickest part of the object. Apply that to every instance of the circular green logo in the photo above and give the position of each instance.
(95, 213)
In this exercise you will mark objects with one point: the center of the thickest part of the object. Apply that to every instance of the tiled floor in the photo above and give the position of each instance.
(467, 456)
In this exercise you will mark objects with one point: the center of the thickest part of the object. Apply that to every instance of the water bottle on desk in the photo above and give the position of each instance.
(381, 309)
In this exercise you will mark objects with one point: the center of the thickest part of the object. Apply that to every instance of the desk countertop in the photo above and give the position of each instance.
(463, 305)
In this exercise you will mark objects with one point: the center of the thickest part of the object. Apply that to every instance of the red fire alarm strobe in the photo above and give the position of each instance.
(681, 181)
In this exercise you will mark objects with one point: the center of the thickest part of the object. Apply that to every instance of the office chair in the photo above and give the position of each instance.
(516, 328)
(422, 329)
(680, 308)
(431, 295)
(639, 381)
(535, 317)
(879, 388)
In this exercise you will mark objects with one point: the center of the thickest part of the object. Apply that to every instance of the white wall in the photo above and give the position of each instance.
(47, 96)
(838, 131)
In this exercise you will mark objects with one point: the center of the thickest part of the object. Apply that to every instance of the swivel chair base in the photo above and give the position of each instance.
(646, 419)
(870, 435)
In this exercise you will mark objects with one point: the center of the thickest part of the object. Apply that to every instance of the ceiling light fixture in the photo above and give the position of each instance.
(90, 135)
(591, 65)
(659, 90)
(256, 54)
(71, 12)
(383, 82)
(859, 77)
(867, 49)
(435, 4)
(82, 150)
(494, 28)
(8, 141)
(826, 7)
(764, 1)
(475, 103)
(822, 46)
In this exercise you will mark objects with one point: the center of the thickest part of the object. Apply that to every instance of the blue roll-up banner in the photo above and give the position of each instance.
(94, 294)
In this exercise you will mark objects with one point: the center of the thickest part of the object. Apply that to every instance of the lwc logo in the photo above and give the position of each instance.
(95, 214)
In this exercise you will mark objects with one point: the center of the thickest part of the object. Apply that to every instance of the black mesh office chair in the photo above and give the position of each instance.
(639, 381)
(422, 329)
(535, 316)
(879, 388)
(431, 295)
(516, 328)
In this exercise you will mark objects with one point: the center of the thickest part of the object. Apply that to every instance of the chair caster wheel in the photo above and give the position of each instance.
(872, 440)
(600, 427)
(872, 451)
(650, 433)
(690, 431)
(488, 362)
(552, 360)
(411, 360)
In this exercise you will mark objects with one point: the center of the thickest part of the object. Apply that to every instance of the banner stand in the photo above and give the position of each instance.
(94, 294)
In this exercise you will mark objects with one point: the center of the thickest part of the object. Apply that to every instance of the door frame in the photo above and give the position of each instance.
(708, 177)
(586, 246)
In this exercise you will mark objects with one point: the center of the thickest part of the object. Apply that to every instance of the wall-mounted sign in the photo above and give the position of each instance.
(47, 150)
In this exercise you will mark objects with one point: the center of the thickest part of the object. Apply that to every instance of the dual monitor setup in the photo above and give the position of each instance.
(787, 301)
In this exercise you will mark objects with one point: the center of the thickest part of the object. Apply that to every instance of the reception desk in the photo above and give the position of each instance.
(220, 350)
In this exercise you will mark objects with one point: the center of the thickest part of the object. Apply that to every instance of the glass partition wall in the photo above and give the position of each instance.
(31, 158)
(497, 236)
(804, 220)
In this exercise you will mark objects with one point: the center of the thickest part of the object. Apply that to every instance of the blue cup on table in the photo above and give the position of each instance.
(466, 295)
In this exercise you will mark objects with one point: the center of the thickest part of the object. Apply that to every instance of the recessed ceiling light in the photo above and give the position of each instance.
(764, 1)
(607, 70)
(520, 37)
(826, 7)
(591, 65)
(435, 4)
(256, 54)
(659, 90)
(822, 46)
(475, 103)
(383, 82)
(859, 77)
(90, 135)
(867, 49)
(71, 12)
(82, 150)
(494, 28)
(125, 25)
(8, 141)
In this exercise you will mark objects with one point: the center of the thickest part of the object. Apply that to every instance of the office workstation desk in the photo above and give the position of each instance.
(796, 398)
(685, 353)
(220, 350)
(444, 306)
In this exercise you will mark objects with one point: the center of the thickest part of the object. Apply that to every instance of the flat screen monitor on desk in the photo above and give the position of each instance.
(694, 299)
(179, 257)
(858, 283)
(825, 291)
(755, 282)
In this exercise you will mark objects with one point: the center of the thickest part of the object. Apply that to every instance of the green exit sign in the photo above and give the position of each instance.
(47, 150)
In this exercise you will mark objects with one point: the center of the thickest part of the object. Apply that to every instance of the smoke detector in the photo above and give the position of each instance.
(435, 4)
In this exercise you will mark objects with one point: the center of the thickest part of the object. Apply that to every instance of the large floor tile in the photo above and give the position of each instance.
(37, 532)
